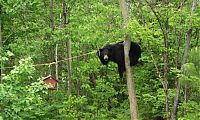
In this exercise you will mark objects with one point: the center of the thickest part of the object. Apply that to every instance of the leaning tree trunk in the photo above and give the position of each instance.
(186, 50)
(130, 82)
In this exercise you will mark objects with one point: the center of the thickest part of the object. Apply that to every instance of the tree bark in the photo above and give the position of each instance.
(1, 47)
(56, 60)
(51, 15)
(130, 82)
(187, 46)
(69, 54)
(197, 37)
(51, 52)
(69, 66)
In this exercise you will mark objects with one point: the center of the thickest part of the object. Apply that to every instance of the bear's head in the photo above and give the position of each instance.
(104, 54)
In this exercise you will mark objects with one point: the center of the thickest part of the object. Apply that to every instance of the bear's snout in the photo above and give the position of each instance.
(105, 57)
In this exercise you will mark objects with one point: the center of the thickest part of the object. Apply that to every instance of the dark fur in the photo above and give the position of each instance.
(115, 53)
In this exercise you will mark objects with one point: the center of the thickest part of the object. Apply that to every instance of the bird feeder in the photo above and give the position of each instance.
(50, 82)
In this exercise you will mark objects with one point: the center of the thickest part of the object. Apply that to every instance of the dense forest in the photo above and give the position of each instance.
(61, 38)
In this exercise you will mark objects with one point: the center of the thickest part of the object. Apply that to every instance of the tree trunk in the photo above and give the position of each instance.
(165, 85)
(130, 82)
(51, 15)
(187, 46)
(197, 37)
(69, 54)
(1, 48)
(56, 60)
(49, 37)
(166, 66)
(185, 97)
(69, 66)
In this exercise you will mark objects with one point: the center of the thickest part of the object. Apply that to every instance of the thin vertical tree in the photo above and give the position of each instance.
(130, 82)
(1, 45)
(51, 5)
(69, 54)
(56, 60)
(69, 66)
(49, 37)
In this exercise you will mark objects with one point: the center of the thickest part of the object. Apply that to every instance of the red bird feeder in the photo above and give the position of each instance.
(51, 82)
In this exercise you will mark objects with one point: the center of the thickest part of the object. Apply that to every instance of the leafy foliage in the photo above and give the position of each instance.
(21, 98)
(28, 54)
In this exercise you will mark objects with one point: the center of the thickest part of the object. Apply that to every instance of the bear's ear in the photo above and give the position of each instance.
(99, 52)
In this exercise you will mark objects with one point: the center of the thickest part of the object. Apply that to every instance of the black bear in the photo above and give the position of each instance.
(115, 53)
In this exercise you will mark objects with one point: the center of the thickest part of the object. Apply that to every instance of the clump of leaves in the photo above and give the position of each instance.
(20, 94)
